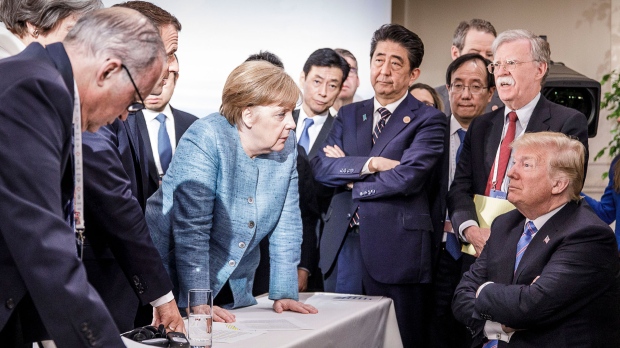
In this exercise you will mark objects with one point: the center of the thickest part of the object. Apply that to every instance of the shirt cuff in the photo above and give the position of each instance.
(305, 269)
(365, 170)
(493, 331)
(480, 288)
(163, 300)
(463, 226)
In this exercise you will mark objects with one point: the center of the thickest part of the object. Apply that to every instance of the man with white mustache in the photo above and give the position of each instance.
(520, 66)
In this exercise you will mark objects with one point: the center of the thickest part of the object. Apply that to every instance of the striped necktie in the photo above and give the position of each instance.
(385, 114)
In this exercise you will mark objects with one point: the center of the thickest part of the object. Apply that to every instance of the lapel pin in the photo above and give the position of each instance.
(406, 119)
(364, 117)
(547, 239)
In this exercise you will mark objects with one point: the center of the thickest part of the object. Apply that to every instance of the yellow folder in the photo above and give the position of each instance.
(487, 209)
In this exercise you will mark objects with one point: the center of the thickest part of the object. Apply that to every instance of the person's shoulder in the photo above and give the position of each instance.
(184, 115)
(352, 109)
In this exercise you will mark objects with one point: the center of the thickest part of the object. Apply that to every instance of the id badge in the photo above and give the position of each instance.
(497, 194)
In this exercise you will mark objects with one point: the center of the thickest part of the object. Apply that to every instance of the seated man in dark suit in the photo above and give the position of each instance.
(84, 81)
(549, 274)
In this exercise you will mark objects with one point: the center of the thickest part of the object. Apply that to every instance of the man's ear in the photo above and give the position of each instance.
(302, 78)
(106, 69)
(415, 73)
(454, 52)
(560, 184)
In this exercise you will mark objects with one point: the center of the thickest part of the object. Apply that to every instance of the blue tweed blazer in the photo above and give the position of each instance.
(216, 204)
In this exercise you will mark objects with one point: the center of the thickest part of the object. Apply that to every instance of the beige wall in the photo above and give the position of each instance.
(579, 33)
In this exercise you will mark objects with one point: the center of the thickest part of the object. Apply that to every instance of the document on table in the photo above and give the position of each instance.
(229, 333)
(271, 324)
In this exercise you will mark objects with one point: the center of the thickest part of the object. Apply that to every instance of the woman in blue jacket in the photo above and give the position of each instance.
(232, 182)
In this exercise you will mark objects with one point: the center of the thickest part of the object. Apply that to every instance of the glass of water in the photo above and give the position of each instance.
(200, 317)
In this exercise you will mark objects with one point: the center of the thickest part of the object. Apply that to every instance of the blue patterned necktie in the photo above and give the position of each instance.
(304, 140)
(528, 233)
(452, 244)
(163, 144)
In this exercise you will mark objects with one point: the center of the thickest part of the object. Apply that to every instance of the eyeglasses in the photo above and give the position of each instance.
(352, 70)
(508, 65)
(135, 106)
(473, 89)
(429, 104)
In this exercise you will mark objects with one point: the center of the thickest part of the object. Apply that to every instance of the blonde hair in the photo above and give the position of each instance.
(256, 83)
(565, 156)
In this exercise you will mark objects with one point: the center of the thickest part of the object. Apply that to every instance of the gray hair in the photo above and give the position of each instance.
(43, 14)
(121, 33)
(539, 48)
(458, 39)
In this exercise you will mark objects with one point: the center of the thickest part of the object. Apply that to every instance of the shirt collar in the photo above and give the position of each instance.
(149, 115)
(455, 125)
(319, 120)
(540, 221)
(524, 113)
(392, 106)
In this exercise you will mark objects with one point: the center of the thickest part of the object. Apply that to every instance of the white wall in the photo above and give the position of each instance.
(217, 36)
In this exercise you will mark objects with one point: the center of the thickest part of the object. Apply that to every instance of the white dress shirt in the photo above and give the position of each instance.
(152, 125)
(314, 130)
(524, 115)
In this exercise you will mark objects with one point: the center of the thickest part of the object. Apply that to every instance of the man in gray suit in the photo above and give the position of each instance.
(474, 36)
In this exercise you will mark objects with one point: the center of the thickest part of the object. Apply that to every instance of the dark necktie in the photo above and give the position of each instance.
(504, 155)
(452, 244)
(304, 140)
(385, 114)
(163, 144)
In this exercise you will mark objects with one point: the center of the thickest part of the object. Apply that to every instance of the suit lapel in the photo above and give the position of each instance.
(296, 116)
(395, 124)
(146, 139)
(538, 246)
(540, 116)
(493, 139)
(363, 125)
(320, 138)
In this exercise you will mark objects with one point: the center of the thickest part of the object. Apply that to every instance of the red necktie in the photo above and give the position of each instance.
(504, 154)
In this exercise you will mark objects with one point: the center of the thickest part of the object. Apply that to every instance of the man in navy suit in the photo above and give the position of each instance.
(379, 156)
(120, 259)
(86, 81)
(549, 274)
(175, 123)
(321, 81)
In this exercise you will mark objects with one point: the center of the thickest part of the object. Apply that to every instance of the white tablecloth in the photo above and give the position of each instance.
(339, 324)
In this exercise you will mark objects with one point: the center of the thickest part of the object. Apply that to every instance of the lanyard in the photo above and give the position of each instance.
(78, 193)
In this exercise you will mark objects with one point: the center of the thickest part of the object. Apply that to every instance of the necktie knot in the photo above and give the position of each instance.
(385, 113)
(161, 118)
(512, 117)
(530, 229)
(461, 133)
(308, 122)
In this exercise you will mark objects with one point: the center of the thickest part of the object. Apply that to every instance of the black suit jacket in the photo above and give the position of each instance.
(574, 303)
(41, 277)
(481, 142)
(182, 121)
(314, 198)
(120, 258)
